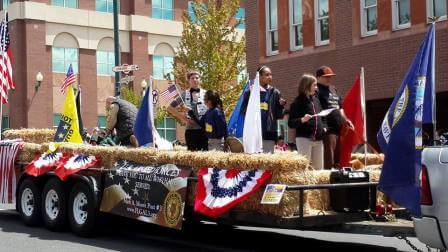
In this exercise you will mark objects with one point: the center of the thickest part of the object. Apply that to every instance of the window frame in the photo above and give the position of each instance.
(317, 20)
(111, 2)
(292, 38)
(112, 64)
(64, 5)
(429, 13)
(163, 9)
(363, 8)
(163, 67)
(269, 51)
(164, 127)
(75, 66)
(396, 17)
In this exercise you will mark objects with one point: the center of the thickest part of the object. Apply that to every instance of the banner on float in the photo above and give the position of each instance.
(153, 194)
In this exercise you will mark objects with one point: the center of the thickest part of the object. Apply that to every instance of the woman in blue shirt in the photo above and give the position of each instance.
(214, 121)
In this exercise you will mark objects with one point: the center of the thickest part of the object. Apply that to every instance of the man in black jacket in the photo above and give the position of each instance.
(271, 106)
(329, 99)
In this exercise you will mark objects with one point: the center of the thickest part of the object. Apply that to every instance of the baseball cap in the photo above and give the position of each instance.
(324, 71)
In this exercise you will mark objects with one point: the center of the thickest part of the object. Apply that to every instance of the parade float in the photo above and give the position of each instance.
(124, 181)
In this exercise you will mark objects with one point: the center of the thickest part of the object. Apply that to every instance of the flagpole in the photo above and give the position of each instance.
(433, 82)
(363, 105)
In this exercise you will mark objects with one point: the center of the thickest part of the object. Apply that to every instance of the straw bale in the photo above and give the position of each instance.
(372, 159)
(31, 135)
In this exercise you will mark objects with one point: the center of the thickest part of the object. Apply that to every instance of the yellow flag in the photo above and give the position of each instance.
(68, 129)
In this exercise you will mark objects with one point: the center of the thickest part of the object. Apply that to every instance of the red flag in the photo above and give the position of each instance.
(353, 110)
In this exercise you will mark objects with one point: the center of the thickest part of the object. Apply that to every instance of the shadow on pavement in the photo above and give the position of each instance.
(127, 235)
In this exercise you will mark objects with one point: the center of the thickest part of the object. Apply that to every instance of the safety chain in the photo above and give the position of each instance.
(412, 245)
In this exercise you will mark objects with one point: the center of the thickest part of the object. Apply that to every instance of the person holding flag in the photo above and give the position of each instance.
(192, 98)
(400, 135)
(271, 108)
(329, 99)
(68, 129)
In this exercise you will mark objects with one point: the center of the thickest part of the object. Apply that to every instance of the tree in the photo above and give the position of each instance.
(210, 45)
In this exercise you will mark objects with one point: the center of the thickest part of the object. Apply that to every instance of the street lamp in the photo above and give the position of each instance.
(39, 79)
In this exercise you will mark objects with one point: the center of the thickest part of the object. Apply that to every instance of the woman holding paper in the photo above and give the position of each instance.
(310, 128)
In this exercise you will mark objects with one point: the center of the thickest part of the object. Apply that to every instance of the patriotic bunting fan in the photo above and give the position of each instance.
(44, 163)
(219, 190)
(74, 164)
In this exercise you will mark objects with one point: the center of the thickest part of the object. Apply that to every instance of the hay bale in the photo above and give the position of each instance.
(372, 159)
(31, 135)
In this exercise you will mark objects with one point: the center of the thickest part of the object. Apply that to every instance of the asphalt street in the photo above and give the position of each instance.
(119, 234)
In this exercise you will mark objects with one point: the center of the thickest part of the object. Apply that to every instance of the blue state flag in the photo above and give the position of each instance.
(400, 135)
(236, 122)
(143, 122)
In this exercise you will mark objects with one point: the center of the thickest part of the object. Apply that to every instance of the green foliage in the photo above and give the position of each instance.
(131, 96)
(210, 45)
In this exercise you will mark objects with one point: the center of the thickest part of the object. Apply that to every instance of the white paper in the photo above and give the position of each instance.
(324, 112)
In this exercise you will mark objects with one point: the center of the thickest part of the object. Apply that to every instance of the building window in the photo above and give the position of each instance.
(162, 67)
(369, 17)
(436, 8)
(191, 12)
(162, 9)
(296, 22)
(56, 119)
(322, 25)
(5, 123)
(5, 4)
(240, 17)
(102, 122)
(63, 57)
(65, 3)
(272, 27)
(401, 14)
(105, 61)
(106, 5)
(167, 128)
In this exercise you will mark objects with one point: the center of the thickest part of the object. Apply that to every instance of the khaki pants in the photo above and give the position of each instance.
(268, 146)
(313, 150)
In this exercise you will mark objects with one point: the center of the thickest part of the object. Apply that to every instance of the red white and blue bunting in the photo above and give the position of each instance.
(75, 164)
(219, 190)
(44, 163)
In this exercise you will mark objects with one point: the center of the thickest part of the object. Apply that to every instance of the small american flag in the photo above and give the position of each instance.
(169, 94)
(5, 62)
(8, 154)
(70, 78)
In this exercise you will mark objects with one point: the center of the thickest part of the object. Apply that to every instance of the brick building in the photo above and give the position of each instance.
(48, 35)
(297, 36)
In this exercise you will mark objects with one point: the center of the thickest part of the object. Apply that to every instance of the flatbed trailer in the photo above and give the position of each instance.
(77, 200)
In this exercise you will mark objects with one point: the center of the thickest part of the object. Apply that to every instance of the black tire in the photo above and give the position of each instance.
(30, 208)
(82, 214)
(54, 205)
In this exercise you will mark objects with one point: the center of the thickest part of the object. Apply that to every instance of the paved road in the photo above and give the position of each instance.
(125, 235)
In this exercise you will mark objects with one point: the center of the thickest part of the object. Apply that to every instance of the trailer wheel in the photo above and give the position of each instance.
(54, 205)
(82, 213)
(29, 202)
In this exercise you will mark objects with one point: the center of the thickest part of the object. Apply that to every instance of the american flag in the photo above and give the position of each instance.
(70, 78)
(170, 93)
(5, 62)
(8, 154)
